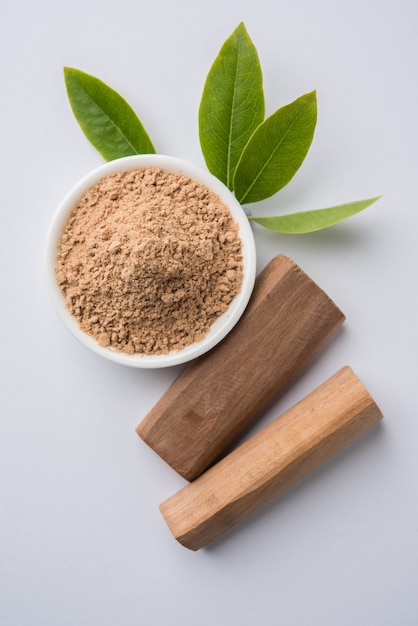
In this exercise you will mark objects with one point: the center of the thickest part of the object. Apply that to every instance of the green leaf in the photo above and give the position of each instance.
(106, 119)
(232, 104)
(276, 150)
(310, 221)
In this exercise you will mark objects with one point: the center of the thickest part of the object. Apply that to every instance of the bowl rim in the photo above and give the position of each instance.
(220, 328)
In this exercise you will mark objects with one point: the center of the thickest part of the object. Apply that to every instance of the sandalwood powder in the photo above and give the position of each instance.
(148, 261)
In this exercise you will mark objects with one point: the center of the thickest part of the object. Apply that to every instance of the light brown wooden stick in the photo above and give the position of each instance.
(273, 459)
(288, 319)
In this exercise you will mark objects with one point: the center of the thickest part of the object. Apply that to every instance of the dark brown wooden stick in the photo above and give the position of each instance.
(288, 319)
(274, 458)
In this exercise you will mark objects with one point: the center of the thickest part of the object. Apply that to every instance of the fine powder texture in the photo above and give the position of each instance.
(148, 261)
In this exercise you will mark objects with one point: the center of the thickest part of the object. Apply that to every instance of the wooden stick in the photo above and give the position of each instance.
(288, 319)
(273, 459)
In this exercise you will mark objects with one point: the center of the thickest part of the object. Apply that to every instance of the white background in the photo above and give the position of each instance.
(82, 541)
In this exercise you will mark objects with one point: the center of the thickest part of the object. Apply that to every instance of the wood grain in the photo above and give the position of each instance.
(272, 460)
(289, 318)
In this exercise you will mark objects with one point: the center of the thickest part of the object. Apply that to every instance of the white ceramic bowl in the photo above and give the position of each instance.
(221, 326)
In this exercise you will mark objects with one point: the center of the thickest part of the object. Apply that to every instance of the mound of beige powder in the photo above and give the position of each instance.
(148, 261)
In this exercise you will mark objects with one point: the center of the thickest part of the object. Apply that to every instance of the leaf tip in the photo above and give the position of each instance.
(312, 95)
(71, 73)
(371, 201)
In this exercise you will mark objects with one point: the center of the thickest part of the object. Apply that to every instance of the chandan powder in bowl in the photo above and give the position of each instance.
(148, 261)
